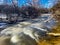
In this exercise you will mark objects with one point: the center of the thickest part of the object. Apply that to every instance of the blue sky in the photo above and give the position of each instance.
(44, 3)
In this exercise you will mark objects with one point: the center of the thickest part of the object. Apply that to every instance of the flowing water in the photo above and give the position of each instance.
(31, 32)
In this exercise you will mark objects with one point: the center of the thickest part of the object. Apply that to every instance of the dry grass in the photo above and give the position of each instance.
(50, 41)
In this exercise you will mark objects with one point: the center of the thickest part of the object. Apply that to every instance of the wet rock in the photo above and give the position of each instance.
(34, 33)
(22, 39)
(15, 28)
(11, 31)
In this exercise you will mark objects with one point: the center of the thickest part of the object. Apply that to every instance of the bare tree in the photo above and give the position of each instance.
(34, 3)
(15, 2)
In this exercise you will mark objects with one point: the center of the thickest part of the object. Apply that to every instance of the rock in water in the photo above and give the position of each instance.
(22, 39)
(17, 35)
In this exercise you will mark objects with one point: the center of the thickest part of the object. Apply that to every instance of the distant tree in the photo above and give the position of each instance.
(30, 12)
(34, 3)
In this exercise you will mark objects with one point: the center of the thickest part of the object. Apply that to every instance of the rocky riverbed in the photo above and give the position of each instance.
(31, 32)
